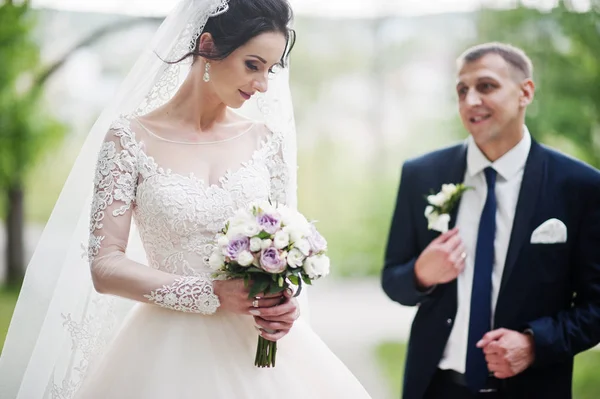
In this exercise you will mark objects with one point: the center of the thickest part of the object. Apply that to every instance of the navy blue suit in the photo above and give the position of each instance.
(552, 289)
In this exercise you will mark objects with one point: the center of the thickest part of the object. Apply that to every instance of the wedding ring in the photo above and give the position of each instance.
(463, 255)
(255, 303)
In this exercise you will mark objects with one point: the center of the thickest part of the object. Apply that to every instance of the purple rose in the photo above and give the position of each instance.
(237, 246)
(316, 241)
(271, 262)
(268, 223)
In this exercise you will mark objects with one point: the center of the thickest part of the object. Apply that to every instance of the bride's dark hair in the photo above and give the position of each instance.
(244, 20)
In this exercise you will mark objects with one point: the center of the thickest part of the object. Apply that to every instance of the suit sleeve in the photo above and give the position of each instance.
(398, 277)
(571, 331)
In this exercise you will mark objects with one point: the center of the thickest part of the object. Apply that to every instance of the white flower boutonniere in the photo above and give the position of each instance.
(441, 205)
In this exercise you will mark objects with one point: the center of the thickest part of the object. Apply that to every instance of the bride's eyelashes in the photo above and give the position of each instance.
(250, 65)
(253, 68)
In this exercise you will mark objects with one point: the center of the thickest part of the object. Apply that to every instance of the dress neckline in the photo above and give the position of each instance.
(151, 133)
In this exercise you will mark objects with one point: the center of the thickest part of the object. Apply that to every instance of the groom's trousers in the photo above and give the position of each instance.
(447, 384)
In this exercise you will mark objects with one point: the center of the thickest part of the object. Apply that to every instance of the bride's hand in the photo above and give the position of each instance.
(233, 296)
(275, 322)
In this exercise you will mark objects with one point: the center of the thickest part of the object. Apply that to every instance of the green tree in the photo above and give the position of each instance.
(564, 45)
(26, 131)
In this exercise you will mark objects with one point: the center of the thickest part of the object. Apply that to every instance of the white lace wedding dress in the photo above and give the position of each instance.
(178, 206)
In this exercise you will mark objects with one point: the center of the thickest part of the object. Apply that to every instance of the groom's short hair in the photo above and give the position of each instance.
(514, 56)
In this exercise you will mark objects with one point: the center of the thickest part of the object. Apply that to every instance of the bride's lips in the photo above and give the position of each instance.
(245, 95)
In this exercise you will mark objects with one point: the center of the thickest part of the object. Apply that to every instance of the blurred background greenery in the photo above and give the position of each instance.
(368, 92)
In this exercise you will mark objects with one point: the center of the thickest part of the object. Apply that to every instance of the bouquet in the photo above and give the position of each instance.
(272, 247)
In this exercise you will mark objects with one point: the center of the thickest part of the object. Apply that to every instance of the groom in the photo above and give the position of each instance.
(511, 292)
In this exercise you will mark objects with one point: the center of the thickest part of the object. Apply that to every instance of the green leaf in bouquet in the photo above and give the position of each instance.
(274, 289)
(306, 279)
(263, 235)
(296, 272)
(294, 279)
(280, 281)
(235, 268)
(253, 269)
(259, 285)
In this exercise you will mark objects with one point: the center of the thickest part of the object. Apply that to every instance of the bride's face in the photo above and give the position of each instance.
(246, 71)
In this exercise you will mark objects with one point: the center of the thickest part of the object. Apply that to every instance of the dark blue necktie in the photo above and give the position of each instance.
(480, 320)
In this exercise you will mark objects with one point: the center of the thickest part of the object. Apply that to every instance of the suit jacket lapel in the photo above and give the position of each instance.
(533, 179)
(457, 175)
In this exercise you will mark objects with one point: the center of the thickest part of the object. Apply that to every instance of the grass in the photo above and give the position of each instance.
(586, 384)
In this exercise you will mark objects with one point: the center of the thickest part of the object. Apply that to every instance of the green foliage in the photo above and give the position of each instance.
(26, 131)
(390, 357)
(565, 49)
(352, 207)
(8, 300)
(586, 385)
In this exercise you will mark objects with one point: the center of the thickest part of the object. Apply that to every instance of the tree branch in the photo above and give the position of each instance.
(89, 40)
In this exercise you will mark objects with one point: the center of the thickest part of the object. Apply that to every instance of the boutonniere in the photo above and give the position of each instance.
(441, 205)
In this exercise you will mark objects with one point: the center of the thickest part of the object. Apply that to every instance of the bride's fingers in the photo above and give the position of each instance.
(289, 317)
(263, 303)
(270, 325)
(277, 295)
(276, 313)
(272, 337)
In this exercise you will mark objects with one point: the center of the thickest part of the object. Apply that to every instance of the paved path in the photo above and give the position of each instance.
(352, 317)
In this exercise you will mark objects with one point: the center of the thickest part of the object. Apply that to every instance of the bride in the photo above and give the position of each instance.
(176, 159)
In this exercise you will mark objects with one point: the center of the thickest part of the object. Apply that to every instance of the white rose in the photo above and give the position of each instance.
(245, 258)
(297, 231)
(240, 218)
(266, 244)
(251, 229)
(438, 222)
(281, 240)
(303, 245)
(255, 244)
(235, 231)
(295, 258)
(267, 208)
(438, 200)
(287, 215)
(449, 190)
(428, 211)
(317, 266)
(223, 241)
(216, 261)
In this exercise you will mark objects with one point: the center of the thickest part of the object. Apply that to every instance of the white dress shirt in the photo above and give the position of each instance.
(509, 170)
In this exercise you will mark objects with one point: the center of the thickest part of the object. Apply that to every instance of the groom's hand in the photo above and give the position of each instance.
(507, 352)
(442, 261)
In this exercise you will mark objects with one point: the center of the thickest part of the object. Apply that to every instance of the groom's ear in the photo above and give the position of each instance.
(527, 92)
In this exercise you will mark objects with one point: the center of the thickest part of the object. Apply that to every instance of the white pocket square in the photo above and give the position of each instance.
(552, 231)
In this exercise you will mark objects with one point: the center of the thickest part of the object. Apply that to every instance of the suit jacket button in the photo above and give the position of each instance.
(449, 321)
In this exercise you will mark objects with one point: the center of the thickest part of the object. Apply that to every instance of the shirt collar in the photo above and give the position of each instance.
(507, 166)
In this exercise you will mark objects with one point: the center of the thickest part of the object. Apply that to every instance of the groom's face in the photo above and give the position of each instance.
(490, 99)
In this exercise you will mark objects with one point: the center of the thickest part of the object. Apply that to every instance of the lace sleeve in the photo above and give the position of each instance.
(113, 273)
(279, 173)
